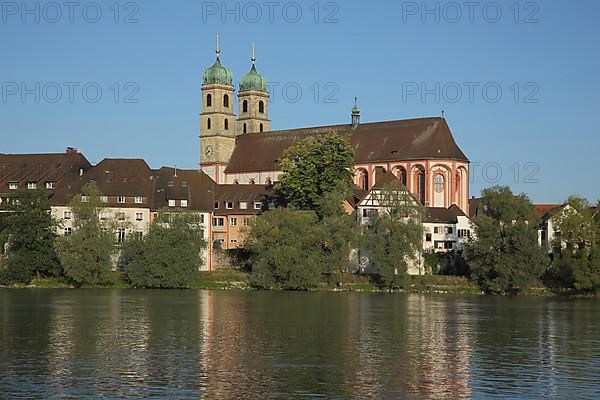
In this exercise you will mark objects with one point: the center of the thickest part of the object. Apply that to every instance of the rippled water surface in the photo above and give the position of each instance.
(216, 344)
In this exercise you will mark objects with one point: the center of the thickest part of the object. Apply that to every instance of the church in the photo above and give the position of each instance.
(241, 148)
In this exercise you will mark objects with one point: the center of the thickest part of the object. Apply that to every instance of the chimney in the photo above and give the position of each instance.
(71, 150)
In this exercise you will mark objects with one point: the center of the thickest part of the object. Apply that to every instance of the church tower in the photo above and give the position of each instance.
(253, 102)
(217, 119)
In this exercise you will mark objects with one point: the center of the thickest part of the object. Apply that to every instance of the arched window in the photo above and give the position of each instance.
(245, 106)
(226, 101)
(208, 123)
(438, 183)
(261, 127)
(420, 175)
(363, 179)
(261, 107)
(226, 124)
(208, 100)
(245, 129)
(400, 174)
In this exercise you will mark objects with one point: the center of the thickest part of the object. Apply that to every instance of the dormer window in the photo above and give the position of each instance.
(216, 205)
(50, 185)
(229, 205)
(184, 184)
(31, 185)
(85, 199)
(171, 203)
(184, 203)
(257, 205)
(13, 185)
(243, 205)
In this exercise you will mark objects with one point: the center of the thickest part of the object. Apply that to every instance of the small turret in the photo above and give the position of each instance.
(355, 114)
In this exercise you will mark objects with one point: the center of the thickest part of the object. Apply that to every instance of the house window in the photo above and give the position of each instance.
(184, 184)
(67, 214)
(85, 199)
(68, 231)
(201, 218)
(208, 100)
(245, 109)
(466, 233)
(229, 205)
(449, 230)
(31, 185)
(261, 107)
(436, 230)
(104, 199)
(138, 200)
(103, 215)
(243, 205)
(233, 241)
(171, 184)
(50, 185)
(121, 235)
(121, 199)
(139, 235)
(428, 237)
(139, 216)
(246, 221)
(258, 205)
(171, 203)
(216, 205)
(233, 222)
(226, 101)
(13, 185)
(184, 203)
(370, 212)
(121, 216)
(218, 221)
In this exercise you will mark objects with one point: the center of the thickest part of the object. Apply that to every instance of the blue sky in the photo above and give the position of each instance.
(401, 59)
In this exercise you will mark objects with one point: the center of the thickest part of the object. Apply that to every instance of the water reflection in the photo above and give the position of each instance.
(203, 344)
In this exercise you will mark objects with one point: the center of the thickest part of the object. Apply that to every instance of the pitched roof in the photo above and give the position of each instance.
(413, 139)
(443, 215)
(541, 210)
(192, 185)
(242, 193)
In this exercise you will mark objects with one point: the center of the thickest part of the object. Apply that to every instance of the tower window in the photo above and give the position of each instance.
(245, 106)
(245, 128)
(208, 123)
(261, 107)
(226, 101)
(261, 127)
(208, 100)
(226, 124)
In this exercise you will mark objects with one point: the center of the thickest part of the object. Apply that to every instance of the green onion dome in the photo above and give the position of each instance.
(253, 81)
(217, 74)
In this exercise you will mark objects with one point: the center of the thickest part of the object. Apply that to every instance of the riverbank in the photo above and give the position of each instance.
(231, 279)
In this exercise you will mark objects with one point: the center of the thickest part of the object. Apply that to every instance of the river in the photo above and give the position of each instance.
(114, 343)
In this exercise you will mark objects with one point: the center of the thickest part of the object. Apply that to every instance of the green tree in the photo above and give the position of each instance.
(394, 237)
(576, 246)
(85, 255)
(339, 231)
(168, 256)
(504, 255)
(313, 167)
(285, 248)
(30, 229)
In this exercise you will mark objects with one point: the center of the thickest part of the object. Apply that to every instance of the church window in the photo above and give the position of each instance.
(421, 186)
(245, 106)
(245, 128)
(226, 124)
(208, 123)
(438, 183)
(261, 127)
(208, 100)
(261, 107)
(226, 101)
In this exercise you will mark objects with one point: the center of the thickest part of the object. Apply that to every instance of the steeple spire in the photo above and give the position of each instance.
(218, 49)
(253, 56)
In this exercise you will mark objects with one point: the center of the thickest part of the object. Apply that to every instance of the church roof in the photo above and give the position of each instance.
(403, 140)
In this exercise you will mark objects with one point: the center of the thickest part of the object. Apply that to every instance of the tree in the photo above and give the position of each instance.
(577, 247)
(339, 231)
(504, 254)
(30, 229)
(313, 167)
(85, 255)
(285, 248)
(394, 239)
(168, 256)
